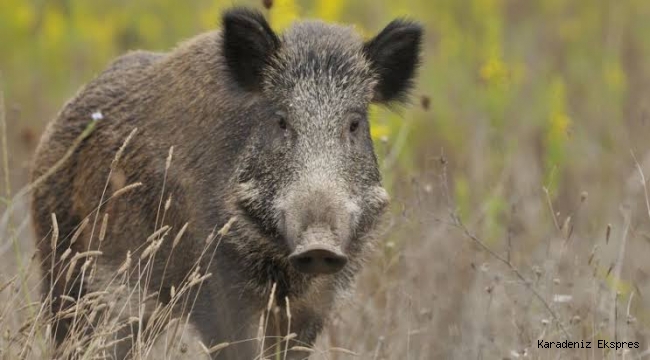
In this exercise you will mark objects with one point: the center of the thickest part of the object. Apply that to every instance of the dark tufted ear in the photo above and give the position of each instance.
(248, 43)
(395, 56)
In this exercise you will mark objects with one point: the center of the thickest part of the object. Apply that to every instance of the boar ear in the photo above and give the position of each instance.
(394, 55)
(248, 44)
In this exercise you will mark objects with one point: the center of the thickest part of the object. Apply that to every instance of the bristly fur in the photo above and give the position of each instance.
(269, 129)
(395, 55)
(247, 36)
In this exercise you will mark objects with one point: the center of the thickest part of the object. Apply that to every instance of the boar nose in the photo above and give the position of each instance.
(318, 259)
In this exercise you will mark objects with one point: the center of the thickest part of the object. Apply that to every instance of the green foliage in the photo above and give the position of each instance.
(508, 72)
(520, 95)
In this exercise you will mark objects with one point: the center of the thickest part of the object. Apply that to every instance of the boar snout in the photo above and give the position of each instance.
(318, 253)
(317, 219)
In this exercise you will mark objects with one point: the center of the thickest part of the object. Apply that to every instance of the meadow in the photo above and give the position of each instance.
(518, 175)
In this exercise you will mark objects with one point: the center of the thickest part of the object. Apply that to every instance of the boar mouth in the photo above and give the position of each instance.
(316, 252)
(313, 226)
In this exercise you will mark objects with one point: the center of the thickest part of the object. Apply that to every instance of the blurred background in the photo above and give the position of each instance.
(520, 209)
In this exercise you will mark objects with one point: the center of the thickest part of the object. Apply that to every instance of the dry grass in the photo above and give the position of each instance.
(569, 262)
(435, 289)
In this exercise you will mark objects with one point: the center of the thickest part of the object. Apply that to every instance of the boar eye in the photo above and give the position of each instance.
(354, 125)
(355, 122)
(282, 120)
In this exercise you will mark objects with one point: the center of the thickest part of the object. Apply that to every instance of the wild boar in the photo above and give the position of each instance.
(270, 137)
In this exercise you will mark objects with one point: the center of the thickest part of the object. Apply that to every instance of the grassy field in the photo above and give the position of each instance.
(518, 175)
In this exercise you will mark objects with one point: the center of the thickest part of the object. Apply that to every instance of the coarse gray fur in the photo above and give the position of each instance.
(269, 132)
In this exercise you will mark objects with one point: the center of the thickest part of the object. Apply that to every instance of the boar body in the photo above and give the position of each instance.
(265, 133)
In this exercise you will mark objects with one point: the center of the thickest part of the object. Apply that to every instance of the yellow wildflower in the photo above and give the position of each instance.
(494, 70)
(283, 13)
(379, 131)
(329, 10)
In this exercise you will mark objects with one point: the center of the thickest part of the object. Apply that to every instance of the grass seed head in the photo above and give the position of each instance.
(55, 232)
